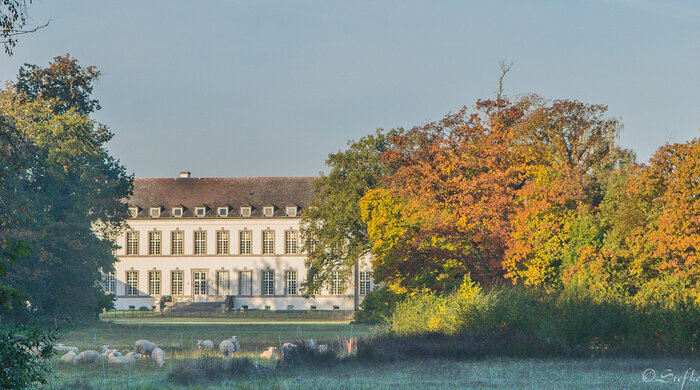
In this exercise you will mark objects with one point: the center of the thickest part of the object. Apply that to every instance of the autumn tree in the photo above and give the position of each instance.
(445, 210)
(572, 150)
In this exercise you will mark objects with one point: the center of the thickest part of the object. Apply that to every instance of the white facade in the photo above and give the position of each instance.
(151, 266)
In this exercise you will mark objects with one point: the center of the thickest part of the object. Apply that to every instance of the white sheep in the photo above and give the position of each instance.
(121, 360)
(312, 345)
(269, 354)
(132, 355)
(88, 356)
(158, 356)
(68, 357)
(205, 345)
(64, 348)
(323, 348)
(144, 347)
(229, 347)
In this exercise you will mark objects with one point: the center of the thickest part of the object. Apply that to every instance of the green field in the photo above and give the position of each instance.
(177, 336)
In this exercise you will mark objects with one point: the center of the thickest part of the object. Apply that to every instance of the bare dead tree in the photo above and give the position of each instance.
(505, 68)
(13, 23)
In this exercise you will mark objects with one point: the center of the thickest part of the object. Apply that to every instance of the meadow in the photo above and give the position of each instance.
(178, 336)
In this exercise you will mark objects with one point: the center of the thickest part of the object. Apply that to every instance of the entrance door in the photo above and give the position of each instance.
(199, 286)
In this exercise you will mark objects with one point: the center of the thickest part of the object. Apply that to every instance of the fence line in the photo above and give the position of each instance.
(253, 314)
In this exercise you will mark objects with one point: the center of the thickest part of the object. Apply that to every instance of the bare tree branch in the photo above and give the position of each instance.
(505, 68)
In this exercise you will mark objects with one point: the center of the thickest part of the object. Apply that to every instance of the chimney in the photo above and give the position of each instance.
(185, 174)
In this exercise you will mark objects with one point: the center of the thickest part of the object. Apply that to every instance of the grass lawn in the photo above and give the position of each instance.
(177, 336)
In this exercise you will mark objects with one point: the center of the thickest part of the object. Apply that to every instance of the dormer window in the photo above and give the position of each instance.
(246, 210)
(155, 212)
(177, 212)
(291, 211)
(133, 211)
(268, 211)
(200, 211)
(222, 212)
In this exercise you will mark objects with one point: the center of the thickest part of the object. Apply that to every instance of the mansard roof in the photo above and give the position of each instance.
(191, 192)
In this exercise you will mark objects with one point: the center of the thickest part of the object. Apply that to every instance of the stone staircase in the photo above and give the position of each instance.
(194, 308)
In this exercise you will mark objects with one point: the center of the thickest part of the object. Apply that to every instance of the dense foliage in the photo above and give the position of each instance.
(333, 232)
(23, 351)
(573, 319)
(64, 199)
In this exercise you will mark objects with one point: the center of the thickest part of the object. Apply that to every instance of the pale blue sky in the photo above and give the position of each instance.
(269, 88)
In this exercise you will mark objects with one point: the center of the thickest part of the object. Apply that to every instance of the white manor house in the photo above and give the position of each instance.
(232, 240)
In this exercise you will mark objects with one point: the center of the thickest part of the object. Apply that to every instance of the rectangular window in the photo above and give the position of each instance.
(336, 284)
(222, 242)
(109, 282)
(365, 283)
(200, 211)
(291, 211)
(292, 287)
(177, 279)
(268, 238)
(177, 212)
(200, 242)
(246, 283)
(132, 283)
(245, 241)
(222, 212)
(178, 242)
(268, 211)
(291, 242)
(153, 283)
(245, 211)
(268, 282)
(155, 212)
(199, 283)
(222, 283)
(133, 211)
(154, 243)
(132, 243)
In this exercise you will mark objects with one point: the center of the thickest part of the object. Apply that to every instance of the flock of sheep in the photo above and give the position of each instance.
(227, 348)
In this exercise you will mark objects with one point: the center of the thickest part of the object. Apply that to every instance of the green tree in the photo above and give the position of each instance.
(71, 193)
(334, 234)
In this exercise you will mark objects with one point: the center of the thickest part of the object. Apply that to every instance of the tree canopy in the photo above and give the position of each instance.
(68, 197)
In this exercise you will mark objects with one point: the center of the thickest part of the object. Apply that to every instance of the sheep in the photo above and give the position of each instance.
(121, 360)
(88, 356)
(269, 354)
(132, 355)
(68, 357)
(352, 345)
(158, 356)
(229, 347)
(312, 344)
(289, 351)
(323, 348)
(144, 347)
(114, 353)
(205, 345)
(105, 348)
(65, 348)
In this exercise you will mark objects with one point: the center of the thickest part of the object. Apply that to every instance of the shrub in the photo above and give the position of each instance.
(573, 317)
(305, 355)
(378, 306)
(209, 370)
(22, 350)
